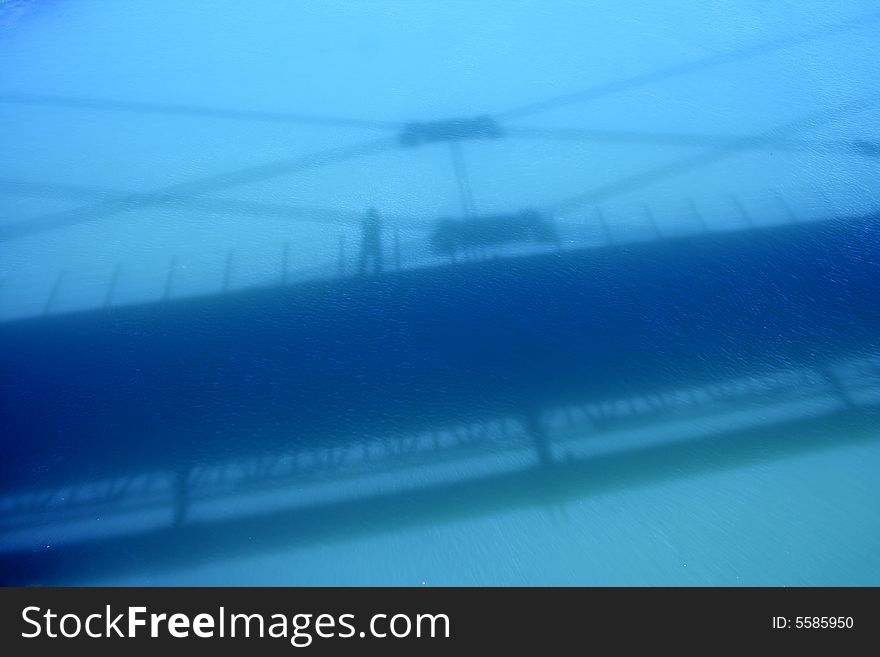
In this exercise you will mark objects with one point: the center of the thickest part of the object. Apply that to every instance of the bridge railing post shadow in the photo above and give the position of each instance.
(53, 293)
(111, 287)
(342, 267)
(285, 250)
(169, 279)
(227, 271)
(792, 217)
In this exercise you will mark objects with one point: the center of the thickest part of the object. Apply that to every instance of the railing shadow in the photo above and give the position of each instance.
(247, 377)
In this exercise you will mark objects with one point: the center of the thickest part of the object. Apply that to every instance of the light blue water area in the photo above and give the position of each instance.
(182, 188)
(794, 523)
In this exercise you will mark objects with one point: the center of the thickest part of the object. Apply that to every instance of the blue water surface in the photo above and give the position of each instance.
(652, 359)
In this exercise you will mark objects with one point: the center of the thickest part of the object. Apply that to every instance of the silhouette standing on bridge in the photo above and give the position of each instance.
(371, 242)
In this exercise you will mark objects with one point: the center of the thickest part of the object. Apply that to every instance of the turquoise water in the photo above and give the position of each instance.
(181, 194)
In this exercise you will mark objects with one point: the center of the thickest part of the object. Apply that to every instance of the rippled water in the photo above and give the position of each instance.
(670, 374)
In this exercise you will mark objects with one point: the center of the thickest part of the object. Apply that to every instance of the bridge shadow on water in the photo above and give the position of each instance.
(145, 551)
(337, 366)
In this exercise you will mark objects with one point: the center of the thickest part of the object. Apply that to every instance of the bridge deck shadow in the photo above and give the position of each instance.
(319, 365)
(196, 543)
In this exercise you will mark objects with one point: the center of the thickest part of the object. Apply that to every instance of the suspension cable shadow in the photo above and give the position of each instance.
(195, 111)
(863, 148)
(700, 160)
(192, 188)
(298, 214)
(678, 70)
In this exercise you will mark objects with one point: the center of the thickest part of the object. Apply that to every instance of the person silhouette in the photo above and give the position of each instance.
(371, 242)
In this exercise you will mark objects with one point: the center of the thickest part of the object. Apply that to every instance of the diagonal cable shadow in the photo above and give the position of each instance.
(174, 193)
(700, 160)
(853, 147)
(204, 185)
(604, 89)
(196, 111)
(678, 70)
(304, 214)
